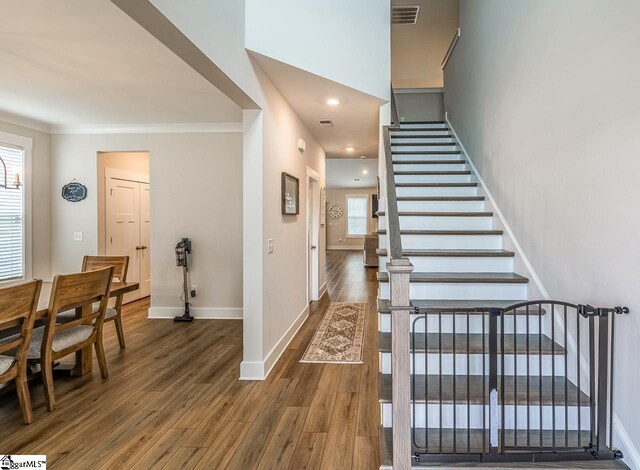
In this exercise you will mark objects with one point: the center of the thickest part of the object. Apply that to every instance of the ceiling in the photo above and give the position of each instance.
(417, 50)
(72, 62)
(355, 119)
(341, 172)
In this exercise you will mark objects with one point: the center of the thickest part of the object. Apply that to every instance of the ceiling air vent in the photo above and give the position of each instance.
(326, 122)
(404, 14)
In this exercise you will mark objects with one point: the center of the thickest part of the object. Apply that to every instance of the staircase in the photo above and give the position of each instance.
(461, 272)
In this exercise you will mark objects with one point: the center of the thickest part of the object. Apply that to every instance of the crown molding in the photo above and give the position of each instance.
(23, 121)
(201, 128)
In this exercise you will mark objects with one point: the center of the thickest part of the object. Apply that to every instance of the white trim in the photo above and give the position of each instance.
(344, 248)
(26, 143)
(323, 291)
(255, 370)
(413, 91)
(313, 219)
(24, 121)
(201, 313)
(631, 455)
(146, 128)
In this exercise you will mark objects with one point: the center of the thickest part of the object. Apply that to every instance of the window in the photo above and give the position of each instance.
(357, 214)
(12, 227)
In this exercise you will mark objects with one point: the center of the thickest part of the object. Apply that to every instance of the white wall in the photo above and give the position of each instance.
(337, 228)
(196, 192)
(275, 292)
(347, 42)
(544, 96)
(417, 50)
(40, 197)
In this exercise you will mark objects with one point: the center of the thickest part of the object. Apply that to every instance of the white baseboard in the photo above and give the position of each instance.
(322, 291)
(344, 248)
(631, 455)
(256, 370)
(202, 313)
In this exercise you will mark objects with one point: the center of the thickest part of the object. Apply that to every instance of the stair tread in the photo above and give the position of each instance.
(479, 441)
(513, 343)
(456, 253)
(436, 185)
(445, 232)
(429, 162)
(442, 214)
(440, 198)
(512, 395)
(422, 144)
(425, 152)
(419, 136)
(431, 173)
(498, 278)
(475, 306)
(421, 122)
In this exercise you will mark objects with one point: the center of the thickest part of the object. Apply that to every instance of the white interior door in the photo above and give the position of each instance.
(145, 240)
(128, 219)
(313, 237)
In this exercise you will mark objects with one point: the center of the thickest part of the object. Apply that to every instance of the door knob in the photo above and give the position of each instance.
(313, 247)
(138, 248)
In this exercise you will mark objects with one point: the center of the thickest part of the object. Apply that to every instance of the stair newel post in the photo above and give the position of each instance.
(399, 272)
(494, 423)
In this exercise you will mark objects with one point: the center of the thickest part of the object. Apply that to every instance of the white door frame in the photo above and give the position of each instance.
(313, 235)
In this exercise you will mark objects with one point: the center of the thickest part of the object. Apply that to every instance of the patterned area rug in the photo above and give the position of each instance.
(340, 335)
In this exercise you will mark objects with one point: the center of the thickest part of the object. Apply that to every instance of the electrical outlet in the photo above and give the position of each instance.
(77, 236)
(194, 291)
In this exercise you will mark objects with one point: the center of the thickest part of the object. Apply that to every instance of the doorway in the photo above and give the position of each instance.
(313, 234)
(125, 214)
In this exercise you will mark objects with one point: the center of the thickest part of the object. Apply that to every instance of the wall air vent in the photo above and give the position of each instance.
(404, 14)
(326, 122)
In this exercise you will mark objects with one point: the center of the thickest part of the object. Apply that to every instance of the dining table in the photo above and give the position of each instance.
(84, 357)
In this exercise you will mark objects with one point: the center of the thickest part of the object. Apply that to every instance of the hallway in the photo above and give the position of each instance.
(163, 408)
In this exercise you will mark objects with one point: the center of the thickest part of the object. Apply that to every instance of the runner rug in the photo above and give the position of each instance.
(340, 335)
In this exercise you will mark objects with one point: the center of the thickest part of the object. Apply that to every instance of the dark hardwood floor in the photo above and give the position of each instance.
(173, 398)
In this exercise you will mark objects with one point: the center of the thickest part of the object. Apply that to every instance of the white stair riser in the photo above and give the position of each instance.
(422, 191)
(422, 140)
(432, 178)
(462, 291)
(433, 321)
(430, 125)
(475, 417)
(475, 364)
(440, 206)
(446, 242)
(428, 132)
(427, 156)
(430, 167)
(425, 148)
(456, 264)
(408, 222)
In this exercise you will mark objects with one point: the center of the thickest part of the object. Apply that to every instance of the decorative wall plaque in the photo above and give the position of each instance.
(74, 191)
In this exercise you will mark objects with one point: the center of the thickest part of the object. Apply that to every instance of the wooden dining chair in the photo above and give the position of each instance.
(55, 340)
(18, 306)
(120, 267)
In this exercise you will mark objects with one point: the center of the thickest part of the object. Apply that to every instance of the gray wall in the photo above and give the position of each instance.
(544, 95)
(420, 105)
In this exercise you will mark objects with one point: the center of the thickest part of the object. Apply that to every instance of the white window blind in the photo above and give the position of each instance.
(357, 214)
(11, 216)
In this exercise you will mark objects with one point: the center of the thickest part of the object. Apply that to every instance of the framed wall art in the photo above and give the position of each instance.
(290, 194)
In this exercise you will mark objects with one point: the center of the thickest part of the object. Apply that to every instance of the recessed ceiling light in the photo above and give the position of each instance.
(365, 172)
(363, 157)
(333, 101)
(349, 149)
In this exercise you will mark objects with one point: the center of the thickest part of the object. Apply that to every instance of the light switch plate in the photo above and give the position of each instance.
(270, 245)
(77, 236)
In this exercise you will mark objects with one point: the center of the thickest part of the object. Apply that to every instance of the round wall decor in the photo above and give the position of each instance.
(336, 211)
(74, 191)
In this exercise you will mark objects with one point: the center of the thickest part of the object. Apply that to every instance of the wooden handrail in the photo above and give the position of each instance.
(452, 46)
(393, 219)
(395, 120)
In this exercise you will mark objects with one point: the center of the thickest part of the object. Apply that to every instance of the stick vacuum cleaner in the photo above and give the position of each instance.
(183, 251)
